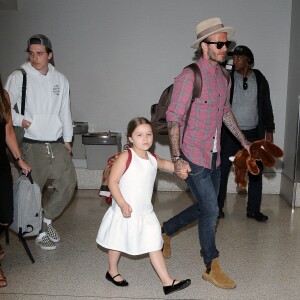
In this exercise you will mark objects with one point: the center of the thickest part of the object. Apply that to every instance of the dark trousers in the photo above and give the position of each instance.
(229, 146)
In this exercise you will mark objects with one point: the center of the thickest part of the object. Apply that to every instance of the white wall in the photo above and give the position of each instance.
(293, 97)
(120, 54)
(290, 179)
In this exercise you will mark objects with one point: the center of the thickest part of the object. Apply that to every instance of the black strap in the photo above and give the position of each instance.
(226, 74)
(197, 88)
(30, 177)
(24, 84)
(24, 243)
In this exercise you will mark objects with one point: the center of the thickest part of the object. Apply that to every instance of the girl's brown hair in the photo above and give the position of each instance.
(4, 105)
(132, 125)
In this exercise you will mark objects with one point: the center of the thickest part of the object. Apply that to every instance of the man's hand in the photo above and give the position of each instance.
(269, 137)
(68, 146)
(25, 124)
(182, 168)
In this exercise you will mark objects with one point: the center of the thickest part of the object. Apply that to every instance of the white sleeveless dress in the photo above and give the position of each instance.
(141, 233)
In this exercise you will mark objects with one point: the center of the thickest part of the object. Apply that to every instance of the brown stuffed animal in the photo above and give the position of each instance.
(265, 151)
(244, 162)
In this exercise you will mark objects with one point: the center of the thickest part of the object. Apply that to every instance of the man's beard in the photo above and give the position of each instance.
(213, 57)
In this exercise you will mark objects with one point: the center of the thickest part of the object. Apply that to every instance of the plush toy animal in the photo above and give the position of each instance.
(244, 162)
(265, 151)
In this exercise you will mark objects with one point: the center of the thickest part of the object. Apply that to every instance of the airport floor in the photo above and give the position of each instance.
(263, 258)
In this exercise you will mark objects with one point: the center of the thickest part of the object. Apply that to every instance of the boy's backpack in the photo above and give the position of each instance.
(158, 110)
(27, 210)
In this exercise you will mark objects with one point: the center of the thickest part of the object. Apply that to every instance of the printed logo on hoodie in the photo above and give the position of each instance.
(56, 90)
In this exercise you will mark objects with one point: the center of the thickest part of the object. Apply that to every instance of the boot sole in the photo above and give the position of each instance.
(207, 278)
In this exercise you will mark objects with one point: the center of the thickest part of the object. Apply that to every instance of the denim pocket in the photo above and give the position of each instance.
(196, 170)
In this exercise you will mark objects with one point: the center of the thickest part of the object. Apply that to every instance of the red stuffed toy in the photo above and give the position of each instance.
(245, 162)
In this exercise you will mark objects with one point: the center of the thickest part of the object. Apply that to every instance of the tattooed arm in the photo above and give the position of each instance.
(174, 138)
(181, 167)
(230, 122)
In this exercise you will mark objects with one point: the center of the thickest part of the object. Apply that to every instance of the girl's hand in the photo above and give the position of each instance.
(183, 174)
(126, 210)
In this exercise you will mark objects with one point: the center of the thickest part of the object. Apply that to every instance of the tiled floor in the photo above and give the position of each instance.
(264, 259)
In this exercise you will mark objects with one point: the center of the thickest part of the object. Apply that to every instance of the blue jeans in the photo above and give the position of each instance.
(204, 184)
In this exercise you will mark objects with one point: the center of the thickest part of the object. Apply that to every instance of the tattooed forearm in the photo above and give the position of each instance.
(230, 122)
(174, 138)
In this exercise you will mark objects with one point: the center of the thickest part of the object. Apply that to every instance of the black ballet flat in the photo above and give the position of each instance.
(176, 287)
(117, 283)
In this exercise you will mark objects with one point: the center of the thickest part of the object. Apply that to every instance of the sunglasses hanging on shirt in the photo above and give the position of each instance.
(245, 83)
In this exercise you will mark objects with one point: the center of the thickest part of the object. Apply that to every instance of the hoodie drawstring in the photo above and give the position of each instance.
(49, 149)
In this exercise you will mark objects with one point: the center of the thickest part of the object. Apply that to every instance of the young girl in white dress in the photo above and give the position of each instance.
(130, 224)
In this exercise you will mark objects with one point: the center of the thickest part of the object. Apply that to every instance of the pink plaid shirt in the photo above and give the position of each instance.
(206, 114)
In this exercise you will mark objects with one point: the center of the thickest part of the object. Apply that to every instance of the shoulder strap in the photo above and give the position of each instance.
(198, 80)
(226, 74)
(153, 154)
(197, 89)
(128, 159)
(24, 84)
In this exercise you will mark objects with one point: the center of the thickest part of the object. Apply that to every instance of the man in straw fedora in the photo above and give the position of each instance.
(199, 151)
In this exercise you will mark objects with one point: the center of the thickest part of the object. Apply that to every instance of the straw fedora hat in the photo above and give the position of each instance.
(209, 27)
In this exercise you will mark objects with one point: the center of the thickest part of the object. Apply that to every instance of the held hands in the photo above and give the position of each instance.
(182, 168)
(126, 210)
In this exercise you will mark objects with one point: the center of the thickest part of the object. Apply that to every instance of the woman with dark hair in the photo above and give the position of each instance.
(7, 138)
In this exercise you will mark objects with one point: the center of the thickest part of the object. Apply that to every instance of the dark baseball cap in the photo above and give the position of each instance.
(39, 39)
(242, 50)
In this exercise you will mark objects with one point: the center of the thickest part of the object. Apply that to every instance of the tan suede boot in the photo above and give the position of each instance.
(166, 250)
(217, 277)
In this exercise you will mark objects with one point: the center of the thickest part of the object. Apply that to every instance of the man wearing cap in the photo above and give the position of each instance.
(252, 108)
(48, 130)
(200, 148)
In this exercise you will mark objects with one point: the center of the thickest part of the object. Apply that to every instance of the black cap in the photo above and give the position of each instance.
(39, 39)
(243, 50)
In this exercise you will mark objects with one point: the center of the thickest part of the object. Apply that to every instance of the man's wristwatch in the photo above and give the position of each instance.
(175, 159)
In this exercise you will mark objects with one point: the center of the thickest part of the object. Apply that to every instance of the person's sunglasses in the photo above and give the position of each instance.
(245, 84)
(220, 45)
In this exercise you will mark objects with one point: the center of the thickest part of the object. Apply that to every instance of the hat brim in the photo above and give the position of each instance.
(229, 30)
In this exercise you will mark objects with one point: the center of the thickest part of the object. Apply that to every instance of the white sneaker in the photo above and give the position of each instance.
(43, 241)
(52, 234)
